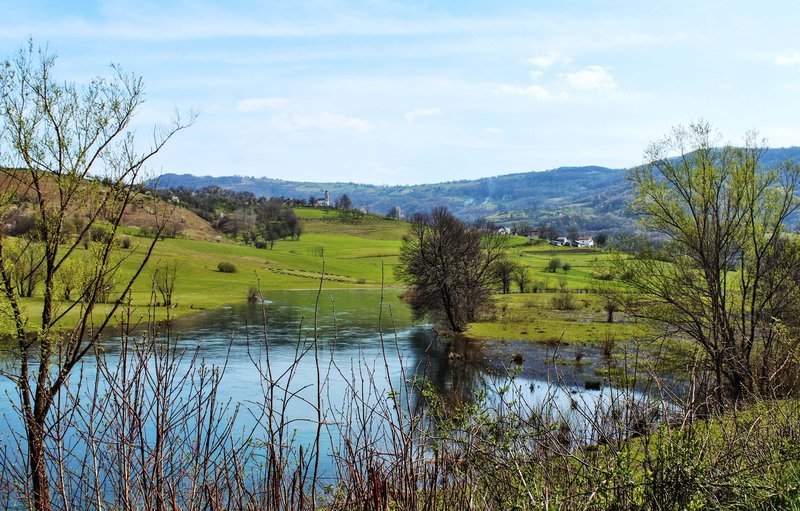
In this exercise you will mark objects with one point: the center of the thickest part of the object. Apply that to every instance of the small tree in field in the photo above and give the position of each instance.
(553, 265)
(504, 274)
(522, 278)
(448, 267)
(164, 279)
(56, 139)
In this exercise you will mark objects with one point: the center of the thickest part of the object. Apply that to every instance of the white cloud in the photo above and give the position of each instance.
(590, 78)
(535, 75)
(548, 60)
(788, 59)
(534, 91)
(413, 115)
(494, 131)
(259, 104)
(325, 121)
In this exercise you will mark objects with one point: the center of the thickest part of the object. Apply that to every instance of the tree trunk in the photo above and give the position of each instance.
(37, 461)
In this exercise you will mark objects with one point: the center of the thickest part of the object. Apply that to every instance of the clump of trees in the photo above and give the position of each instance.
(258, 221)
(727, 276)
(449, 268)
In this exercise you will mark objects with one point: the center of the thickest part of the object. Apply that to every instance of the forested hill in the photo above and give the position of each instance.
(473, 198)
(591, 198)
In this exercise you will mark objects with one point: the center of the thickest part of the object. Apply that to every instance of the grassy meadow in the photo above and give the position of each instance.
(361, 252)
(354, 253)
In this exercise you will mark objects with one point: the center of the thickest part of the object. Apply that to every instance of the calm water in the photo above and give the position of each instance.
(364, 350)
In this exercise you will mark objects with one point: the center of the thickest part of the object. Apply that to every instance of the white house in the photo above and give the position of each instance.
(324, 203)
(585, 241)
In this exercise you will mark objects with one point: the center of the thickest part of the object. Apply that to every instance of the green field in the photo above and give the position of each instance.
(362, 253)
(357, 253)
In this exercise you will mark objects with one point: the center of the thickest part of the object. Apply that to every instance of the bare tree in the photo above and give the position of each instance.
(343, 202)
(56, 139)
(164, 280)
(573, 233)
(448, 267)
(721, 279)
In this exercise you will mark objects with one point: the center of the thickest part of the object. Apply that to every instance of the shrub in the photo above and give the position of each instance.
(607, 345)
(566, 267)
(252, 294)
(593, 384)
(125, 242)
(563, 302)
(226, 267)
(169, 231)
(98, 233)
(540, 285)
(22, 224)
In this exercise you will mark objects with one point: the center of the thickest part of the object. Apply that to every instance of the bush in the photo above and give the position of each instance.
(608, 345)
(23, 224)
(98, 234)
(125, 242)
(252, 294)
(169, 231)
(564, 302)
(539, 286)
(566, 267)
(226, 267)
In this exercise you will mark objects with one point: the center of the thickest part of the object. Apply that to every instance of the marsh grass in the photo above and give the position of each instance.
(533, 317)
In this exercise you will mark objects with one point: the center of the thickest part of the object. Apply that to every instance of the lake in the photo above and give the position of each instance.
(368, 360)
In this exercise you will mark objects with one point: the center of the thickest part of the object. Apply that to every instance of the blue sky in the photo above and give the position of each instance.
(407, 92)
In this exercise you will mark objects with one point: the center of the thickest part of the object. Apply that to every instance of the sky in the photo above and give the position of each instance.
(407, 92)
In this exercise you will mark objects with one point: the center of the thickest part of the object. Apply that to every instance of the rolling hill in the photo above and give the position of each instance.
(590, 198)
